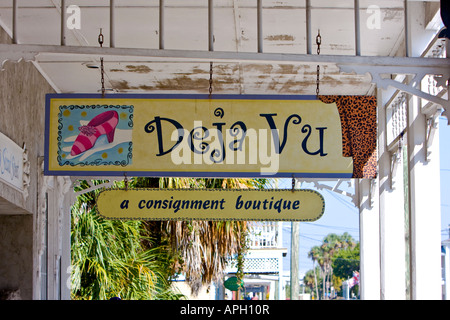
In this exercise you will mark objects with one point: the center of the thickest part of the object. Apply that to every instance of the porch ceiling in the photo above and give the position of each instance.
(186, 28)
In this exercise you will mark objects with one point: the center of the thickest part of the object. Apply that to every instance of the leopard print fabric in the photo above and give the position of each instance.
(358, 116)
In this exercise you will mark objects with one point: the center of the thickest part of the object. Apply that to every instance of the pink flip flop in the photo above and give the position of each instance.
(104, 123)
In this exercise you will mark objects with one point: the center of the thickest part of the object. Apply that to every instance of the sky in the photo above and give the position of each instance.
(342, 216)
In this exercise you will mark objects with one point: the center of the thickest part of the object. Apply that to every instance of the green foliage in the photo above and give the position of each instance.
(337, 257)
(136, 259)
(346, 261)
(313, 282)
(115, 258)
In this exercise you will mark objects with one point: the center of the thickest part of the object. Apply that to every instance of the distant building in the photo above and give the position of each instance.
(263, 264)
(445, 249)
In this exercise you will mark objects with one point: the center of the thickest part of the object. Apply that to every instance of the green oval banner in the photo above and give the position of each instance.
(211, 204)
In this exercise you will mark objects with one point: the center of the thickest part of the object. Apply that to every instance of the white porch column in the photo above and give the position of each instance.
(369, 226)
(281, 292)
(424, 195)
(52, 228)
(392, 213)
(58, 258)
(68, 199)
(446, 246)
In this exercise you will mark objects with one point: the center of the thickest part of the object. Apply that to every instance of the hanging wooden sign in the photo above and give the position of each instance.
(11, 163)
(194, 136)
(211, 204)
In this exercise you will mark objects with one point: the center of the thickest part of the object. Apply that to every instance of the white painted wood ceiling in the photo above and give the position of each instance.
(186, 28)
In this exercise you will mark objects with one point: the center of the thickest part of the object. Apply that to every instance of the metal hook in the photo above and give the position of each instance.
(210, 78)
(318, 41)
(100, 38)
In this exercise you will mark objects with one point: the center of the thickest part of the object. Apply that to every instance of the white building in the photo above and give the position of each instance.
(263, 263)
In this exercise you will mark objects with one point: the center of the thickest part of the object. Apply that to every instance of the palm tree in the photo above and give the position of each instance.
(310, 281)
(330, 245)
(114, 258)
(201, 249)
(314, 254)
(324, 255)
(136, 259)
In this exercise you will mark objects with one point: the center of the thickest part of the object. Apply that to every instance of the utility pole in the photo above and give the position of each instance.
(295, 245)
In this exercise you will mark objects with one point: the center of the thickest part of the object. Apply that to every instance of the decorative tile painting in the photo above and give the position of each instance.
(95, 135)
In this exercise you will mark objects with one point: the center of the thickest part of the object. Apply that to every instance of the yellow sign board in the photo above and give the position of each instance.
(211, 204)
(192, 135)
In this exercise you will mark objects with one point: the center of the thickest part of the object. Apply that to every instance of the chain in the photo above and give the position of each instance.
(318, 81)
(318, 42)
(102, 77)
(102, 71)
(210, 78)
(293, 183)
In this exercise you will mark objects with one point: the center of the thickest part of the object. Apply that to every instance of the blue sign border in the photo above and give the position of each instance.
(205, 174)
